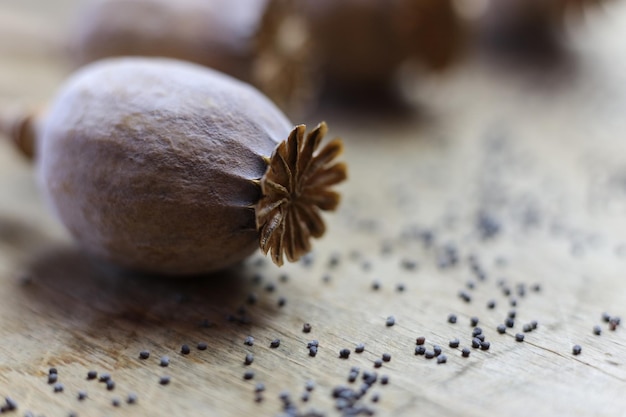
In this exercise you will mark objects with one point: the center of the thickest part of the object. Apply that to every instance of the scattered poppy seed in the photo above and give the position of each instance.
(165, 361)
(509, 322)
(115, 402)
(576, 350)
(164, 380)
(306, 328)
(519, 337)
(283, 278)
(481, 337)
(202, 346)
(454, 343)
(597, 330)
(110, 385)
(9, 404)
(352, 376)
(313, 351)
(52, 378)
(359, 348)
(282, 301)
(452, 318)
(506, 291)
(271, 287)
(465, 352)
(375, 398)
(420, 350)
(491, 304)
(384, 379)
(470, 285)
(501, 328)
(534, 324)
(249, 341)
(258, 398)
(132, 398)
(312, 343)
(252, 298)
(344, 353)
(248, 359)
(326, 278)
(386, 357)
(58, 387)
(275, 343)
(485, 345)
(378, 363)
(536, 288)
(400, 288)
(442, 359)
(104, 377)
(512, 314)
(606, 317)
(476, 343)
(465, 296)
(429, 354)
(92, 375)
(144, 354)
(248, 375)
(82, 395)
(184, 349)
(420, 340)
(437, 350)
(513, 302)
(52, 371)
(473, 321)
(527, 328)
(304, 397)
(476, 331)
(391, 320)
(409, 264)
(259, 387)
(309, 385)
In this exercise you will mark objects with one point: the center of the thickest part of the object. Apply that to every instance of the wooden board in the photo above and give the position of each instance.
(519, 170)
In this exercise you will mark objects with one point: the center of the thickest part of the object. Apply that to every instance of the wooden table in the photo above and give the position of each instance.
(509, 178)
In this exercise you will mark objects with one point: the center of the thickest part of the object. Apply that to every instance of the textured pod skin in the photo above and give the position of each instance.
(214, 33)
(151, 163)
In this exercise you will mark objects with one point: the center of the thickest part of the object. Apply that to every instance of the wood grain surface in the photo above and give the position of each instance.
(507, 177)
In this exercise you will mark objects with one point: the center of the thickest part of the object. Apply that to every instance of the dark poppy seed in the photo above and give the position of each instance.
(370, 377)
(384, 379)
(375, 398)
(283, 278)
(258, 398)
(282, 301)
(420, 350)
(104, 377)
(164, 380)
(81, 395)
(359, 348)
(326, 278)
(576, 350)
(248, 375)
(52, 378)
(465, 296)
(491, 304)
(391, 320)
(249, 341)
(165, 361)
(344, 353)
(259, 387)
(352, 376)
(52, 371)
(519, 337)
(313, 351)
(144, 354)
(132, 398)
(270, 287)
(378, 363)
(184, 349)
(509, 322)
(473, 321)
(92, 375)
(309, 385)
(202, 346)
(480, 337)
(452, 318)
(376, 285)
(437, 350)
(476, 331)
(476, 343)
(306, 328)
(400, 288)
(275, 343)
(304, 397)
(58, 387)
(248, 359)
(252, 298)
(110, 385)
(9, 404)
(513, 302)
(485, 345)
(527, 328)
(312, 343)
(465, 352)
(420, 340)
(606, 317)
(506, 291)
(409, 264)
(501, 328)
(386, 357)
(597, 330)
(454, 343)
(614, 322)
(534, 324)
(442, 359)
(512, 314)
(115, 402)
(536, 288)
(470, 285)
(429, 354)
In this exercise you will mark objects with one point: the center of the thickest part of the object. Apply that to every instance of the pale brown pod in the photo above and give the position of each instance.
(166, 166)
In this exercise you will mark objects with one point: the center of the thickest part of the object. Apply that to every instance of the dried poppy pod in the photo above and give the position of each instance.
(262, 42)
(167, 166)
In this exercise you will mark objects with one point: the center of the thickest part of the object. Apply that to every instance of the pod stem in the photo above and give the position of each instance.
(19, 128)
(296, 188)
